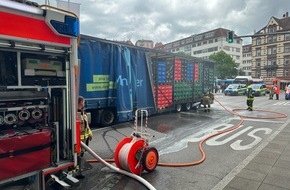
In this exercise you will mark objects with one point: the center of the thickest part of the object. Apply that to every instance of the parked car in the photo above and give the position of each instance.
(259, 89)
(236, 89)
(287, 93)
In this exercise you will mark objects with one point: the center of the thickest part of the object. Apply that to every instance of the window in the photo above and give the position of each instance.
(258, 51)
(227, 48)
(208, 35)
(216, 40)
(272, 38)
(189, 40)
(176, 44)
(258, 62)
(196, 38)
(286, 72)
(193, 45)
(198, 44)
(271, 62)
(286, 48)
(272, 50)
(187, 47)
(212, 49)
(287, 37)
(287, 60)
(197, 52)
(272, 28)
(210, 41)
(271, 73)
(204, 42)
(258, 42)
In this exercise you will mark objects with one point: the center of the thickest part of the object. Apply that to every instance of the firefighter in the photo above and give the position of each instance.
(86, 135)
(271, 93)
(250, 98)
(206, 100)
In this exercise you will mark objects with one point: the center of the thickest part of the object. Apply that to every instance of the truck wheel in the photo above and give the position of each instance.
(107, 117)
(178, 107)
(187, 106)
(196, 106)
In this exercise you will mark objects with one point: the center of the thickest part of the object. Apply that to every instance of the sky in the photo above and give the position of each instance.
(170, 20)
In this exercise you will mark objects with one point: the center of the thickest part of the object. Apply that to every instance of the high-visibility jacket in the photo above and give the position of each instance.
(250, 94)
(278, 90)
(86, 131)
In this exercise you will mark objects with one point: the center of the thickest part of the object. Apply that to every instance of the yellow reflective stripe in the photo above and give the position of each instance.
(90, 132)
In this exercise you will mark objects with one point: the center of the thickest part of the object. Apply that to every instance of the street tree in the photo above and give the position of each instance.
(225, 66)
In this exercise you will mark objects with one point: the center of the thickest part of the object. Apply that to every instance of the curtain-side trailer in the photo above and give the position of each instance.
(116, 79)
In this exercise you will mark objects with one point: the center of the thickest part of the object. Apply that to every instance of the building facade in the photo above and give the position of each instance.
(145, 43)
(271, 50)
(246, 65)
(204, 44)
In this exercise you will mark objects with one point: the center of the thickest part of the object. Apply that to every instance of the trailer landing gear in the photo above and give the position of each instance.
(132, 153)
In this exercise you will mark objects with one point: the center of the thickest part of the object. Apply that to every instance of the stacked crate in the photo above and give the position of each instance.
(208, 75)
(183, 81)
(198, 80)
(163, 87)
(163, 96)
(177, 70)
(189, 71)
(182, 91)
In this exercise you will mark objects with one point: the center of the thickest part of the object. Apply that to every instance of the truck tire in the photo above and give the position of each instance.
(196, 106)
(178, 108)
(107, 117)
(187, 106)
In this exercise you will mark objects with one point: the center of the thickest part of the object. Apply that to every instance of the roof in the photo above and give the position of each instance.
(219, 32)
(284, 23)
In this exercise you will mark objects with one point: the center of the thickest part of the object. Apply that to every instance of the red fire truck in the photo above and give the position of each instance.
(38, 57)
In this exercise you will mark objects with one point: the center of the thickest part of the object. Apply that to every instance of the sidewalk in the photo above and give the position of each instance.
(268, 168)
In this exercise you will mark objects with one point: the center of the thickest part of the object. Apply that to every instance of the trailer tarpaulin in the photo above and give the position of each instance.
(142, 81)
(97, 73)
(124, 87)
(115, 76)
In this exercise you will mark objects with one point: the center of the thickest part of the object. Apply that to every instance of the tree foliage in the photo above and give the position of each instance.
(225, 66)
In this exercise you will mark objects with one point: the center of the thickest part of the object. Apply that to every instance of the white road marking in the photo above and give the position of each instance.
(221, 185)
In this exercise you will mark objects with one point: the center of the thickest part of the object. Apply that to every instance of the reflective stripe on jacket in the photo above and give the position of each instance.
(250, 95)
(86, 132)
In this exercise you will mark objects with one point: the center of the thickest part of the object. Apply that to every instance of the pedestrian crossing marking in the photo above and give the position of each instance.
(282, 103)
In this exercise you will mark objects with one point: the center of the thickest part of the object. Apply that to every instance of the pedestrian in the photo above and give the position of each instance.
(250, 98)
(277, 91)
(218, 88)
(86, 135)
(223, 87)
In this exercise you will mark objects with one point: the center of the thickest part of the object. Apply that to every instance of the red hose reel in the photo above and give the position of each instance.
(133, 153)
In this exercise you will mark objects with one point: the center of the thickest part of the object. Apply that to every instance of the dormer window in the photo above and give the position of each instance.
(272, 28)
